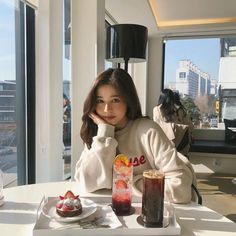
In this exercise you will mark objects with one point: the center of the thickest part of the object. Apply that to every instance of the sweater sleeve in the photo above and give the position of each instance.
(94, 167)
(179, 174)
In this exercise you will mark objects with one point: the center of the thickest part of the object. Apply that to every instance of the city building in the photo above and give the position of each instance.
(213, 86)
(191, 80)
(7, 112)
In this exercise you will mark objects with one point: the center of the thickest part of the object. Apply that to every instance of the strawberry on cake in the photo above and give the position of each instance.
(69, 205)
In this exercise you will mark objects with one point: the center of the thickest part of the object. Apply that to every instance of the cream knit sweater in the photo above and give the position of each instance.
(144, 142)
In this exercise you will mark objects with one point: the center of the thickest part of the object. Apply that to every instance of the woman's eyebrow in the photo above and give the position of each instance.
(115, 95)
(110, 96)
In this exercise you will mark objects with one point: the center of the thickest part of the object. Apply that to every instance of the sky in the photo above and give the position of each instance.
(7, 40)
(204, 53)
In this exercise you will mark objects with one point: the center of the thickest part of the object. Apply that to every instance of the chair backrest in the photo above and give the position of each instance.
(184, 142)
(230, 131)
(199, 197)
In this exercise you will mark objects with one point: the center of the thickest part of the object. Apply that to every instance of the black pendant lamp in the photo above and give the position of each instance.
(126, 43)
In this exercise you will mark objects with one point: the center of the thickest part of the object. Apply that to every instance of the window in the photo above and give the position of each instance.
(17, 157)
(203, 72)
(182, 75)
(108, 64)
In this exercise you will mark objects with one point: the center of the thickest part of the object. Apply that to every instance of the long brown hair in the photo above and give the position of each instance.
(123, 83)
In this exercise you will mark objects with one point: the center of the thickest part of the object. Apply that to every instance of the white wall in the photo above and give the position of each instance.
(49, 64)
(154, 73)
(139, 74)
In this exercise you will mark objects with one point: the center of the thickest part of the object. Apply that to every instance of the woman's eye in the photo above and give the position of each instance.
(99, 101)
(116, 100)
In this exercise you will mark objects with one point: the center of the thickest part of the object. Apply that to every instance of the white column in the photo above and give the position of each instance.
(88, 55)
(139, 75)
(154, 74)
(49, 64)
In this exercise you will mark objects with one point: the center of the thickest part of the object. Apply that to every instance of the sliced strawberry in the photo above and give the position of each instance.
(67, 208)
(130, 164)
(59, 205)
(121, 184)
(69, 194)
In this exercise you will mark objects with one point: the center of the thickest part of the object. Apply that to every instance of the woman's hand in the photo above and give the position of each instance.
(97, 119)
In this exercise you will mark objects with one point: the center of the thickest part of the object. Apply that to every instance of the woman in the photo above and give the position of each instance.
(113, 124)
(172, 117)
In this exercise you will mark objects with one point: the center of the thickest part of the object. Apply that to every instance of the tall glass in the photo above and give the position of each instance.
(122, 185)
(153, 198)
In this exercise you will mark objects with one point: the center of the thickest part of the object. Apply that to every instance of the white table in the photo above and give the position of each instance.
(18, 214)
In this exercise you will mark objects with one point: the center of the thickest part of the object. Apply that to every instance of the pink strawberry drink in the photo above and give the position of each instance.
(122, 186)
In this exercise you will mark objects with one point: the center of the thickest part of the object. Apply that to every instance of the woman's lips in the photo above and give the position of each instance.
(108, 117)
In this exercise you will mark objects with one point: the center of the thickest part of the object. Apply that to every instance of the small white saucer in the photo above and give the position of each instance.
(1, 200)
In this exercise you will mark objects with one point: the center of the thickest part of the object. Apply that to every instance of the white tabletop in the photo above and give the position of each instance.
(18, 214)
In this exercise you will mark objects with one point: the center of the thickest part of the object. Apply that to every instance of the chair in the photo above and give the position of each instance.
(199, 197)
(230, 131)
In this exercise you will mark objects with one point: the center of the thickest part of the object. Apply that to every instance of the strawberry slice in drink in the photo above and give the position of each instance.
(121, 184)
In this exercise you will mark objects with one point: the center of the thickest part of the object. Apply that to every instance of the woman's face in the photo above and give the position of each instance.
(111, 107)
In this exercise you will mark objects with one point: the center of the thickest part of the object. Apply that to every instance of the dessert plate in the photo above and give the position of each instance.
(49, 210)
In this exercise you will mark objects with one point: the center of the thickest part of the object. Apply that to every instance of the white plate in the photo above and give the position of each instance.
(88, 208)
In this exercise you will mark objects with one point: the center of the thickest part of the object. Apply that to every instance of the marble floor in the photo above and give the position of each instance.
(219, 193)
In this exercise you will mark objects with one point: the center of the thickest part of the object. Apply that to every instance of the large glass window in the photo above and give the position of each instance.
(203, 72)
(108, 64)
(16, 89)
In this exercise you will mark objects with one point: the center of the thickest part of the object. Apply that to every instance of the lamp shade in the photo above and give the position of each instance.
(126, 42)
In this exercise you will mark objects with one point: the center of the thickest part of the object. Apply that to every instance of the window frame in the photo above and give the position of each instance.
(25, 89)
(31, 98)
(199, 134)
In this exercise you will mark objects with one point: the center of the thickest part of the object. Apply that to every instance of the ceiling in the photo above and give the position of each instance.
(168, 16)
